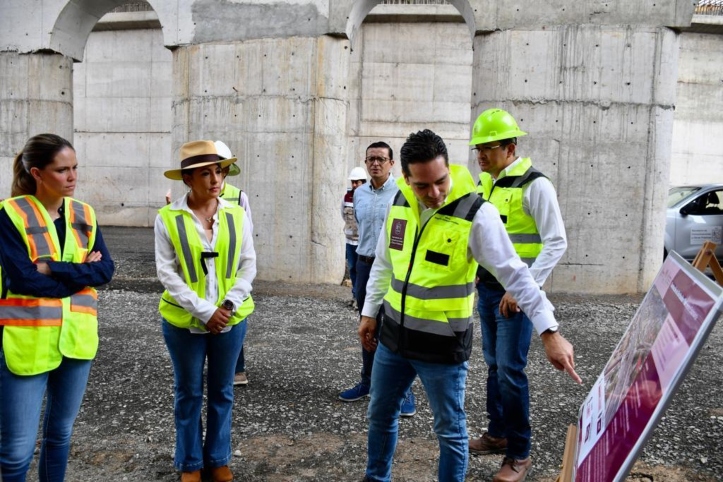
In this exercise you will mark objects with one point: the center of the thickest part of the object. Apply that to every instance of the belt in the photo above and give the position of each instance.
(366, 259)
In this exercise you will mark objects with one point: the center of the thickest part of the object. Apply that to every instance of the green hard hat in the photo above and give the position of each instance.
(494, 125)
(234, 170)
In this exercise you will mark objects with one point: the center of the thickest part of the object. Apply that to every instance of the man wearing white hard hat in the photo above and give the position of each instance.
(357, 177)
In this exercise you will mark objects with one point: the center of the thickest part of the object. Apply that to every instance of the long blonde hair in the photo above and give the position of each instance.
(38, 152)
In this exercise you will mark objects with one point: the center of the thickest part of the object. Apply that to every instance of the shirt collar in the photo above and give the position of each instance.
(503, 172)
(390, 180)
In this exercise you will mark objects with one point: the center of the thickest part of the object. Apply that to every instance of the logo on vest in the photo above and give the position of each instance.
(396, 240)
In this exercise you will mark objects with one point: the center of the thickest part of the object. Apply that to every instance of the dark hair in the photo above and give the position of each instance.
(421, 147)
(38, 152)
(384, 145)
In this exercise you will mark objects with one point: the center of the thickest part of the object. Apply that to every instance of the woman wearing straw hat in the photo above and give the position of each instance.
(206, 261)
(53, 255)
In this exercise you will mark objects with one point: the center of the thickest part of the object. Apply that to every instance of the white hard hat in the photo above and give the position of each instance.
(225, 152)
(358, 173)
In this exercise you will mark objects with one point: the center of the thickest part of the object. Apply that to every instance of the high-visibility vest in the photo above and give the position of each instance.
(507, 196)
(428, 307)
(38, 332)
(192, 258)
(230, 194)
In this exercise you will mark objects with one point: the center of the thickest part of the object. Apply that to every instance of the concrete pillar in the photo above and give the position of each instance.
(281, 105)
(36, 96)
(597, 102)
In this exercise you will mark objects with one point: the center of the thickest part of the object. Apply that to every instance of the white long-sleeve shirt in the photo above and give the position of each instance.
(540, 202)
(490, 246)
(170, 272)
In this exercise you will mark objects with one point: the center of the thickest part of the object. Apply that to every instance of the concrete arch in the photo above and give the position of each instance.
(76, 20)
(361, 8)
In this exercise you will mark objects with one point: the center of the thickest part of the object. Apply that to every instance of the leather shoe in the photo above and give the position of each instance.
(513, 470)
(487, 444)
(221, 474)
(194, 476)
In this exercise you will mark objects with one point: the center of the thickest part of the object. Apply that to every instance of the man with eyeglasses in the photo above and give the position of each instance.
(370, 206)
(528, 207)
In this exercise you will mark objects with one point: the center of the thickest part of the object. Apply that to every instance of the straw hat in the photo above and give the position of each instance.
(198, 154)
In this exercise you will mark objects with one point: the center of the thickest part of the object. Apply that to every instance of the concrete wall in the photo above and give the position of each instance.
(36, 95)
(123, 124)
(409, 76)
(698, 128)
(279, 107)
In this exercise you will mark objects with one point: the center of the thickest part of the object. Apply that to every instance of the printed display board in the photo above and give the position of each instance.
(644, 371)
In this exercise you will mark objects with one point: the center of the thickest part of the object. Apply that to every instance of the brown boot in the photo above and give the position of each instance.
(194, 476)
(513, 470)
(487, 444)
(221, 474)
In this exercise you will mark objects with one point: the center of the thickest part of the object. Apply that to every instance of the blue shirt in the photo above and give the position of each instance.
(22, 277)
(370, 208)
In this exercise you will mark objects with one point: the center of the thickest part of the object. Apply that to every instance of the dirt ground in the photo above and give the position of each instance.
(302, 350)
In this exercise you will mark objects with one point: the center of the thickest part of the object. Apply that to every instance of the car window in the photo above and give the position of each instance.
(677, 194)
(706, 204)
(713, 202)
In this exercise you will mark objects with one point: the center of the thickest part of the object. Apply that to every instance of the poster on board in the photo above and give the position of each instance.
(642, 375)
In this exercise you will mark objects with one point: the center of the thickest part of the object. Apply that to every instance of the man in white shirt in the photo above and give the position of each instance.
(435, 232)
(528, 208)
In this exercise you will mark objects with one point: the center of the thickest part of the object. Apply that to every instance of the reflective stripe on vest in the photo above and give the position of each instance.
(31, 312)
(434, 292)
(79, 216)
(186, 249)
(40, 242)
(85, 301)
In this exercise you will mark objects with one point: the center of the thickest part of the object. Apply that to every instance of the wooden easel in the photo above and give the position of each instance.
(568, 456)
(706, 259)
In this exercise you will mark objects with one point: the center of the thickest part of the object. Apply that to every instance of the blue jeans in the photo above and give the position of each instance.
(351, 259)
(21, 400)
(362, 276)
(444, 384)
(240, 362)
(505, 344)
(189, 353)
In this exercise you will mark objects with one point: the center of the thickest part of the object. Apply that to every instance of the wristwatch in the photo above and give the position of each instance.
(551, 330)
(228, 305)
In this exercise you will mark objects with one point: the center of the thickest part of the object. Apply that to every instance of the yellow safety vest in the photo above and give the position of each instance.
(507, 196)
(38, 332)
(428, 307)
(230, 193)
(192, 258)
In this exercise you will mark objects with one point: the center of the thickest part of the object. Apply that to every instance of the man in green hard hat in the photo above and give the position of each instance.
(528, 206)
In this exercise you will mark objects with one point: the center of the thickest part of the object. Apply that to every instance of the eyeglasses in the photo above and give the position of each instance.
(486, 149)
(378, 160)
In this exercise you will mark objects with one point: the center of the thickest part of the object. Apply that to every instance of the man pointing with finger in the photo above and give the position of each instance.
(436, 231)
(528, 208)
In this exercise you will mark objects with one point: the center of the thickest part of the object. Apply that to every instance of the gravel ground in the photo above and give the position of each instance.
(302, 350)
